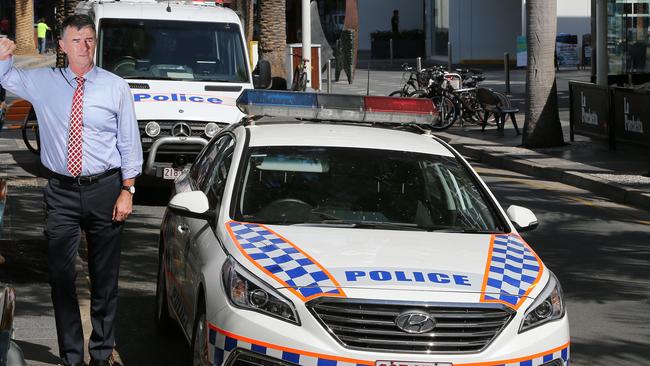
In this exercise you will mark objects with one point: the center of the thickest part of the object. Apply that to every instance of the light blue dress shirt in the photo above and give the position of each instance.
(110, 137)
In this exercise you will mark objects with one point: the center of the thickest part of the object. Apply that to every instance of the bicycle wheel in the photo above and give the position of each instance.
(29, 131)
(302, 82)
(297, 79)
(447, 112)
(398, 93)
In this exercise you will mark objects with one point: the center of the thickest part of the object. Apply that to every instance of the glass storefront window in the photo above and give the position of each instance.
(441, 26)
(627, 38)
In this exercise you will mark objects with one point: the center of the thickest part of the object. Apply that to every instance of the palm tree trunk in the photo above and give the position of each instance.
(542, 127)
(64, 8)
(25, 27)
(273, 39)
(245, 8)
(249, 18)
(60, 16)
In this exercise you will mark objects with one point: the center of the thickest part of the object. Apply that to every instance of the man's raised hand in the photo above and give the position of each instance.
(7, 48)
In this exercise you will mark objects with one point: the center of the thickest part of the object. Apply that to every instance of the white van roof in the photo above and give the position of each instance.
(151, 9)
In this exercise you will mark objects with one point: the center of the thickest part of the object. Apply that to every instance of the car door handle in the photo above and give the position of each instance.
(183, 229)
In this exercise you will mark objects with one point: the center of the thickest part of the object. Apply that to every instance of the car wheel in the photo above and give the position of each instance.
(163, 320)
(200, 338)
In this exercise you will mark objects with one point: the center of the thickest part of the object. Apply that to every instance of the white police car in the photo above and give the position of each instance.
(320, 241)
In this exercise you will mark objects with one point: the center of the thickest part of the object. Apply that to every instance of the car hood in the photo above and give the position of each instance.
(352, 262)
(188, 101)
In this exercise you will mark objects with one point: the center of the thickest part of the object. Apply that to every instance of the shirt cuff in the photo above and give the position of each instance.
(130, 173)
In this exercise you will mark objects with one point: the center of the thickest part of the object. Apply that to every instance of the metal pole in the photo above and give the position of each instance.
(390, 43)
(601, 48)
(506, 70)
(449, 55)
(329, 76)
(368, 84)
(306, 38)
(418, 62)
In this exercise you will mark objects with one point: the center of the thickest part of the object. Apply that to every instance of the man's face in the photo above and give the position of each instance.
(79, 45)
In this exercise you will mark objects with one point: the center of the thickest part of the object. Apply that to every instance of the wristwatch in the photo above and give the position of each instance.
(130, 189)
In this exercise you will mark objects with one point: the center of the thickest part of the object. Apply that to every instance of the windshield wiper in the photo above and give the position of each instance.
(464, 231)
(369, 224)
(140, 77)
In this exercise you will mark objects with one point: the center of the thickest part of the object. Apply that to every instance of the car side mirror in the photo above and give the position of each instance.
(523, 218)
(262, 75)
(192, 204)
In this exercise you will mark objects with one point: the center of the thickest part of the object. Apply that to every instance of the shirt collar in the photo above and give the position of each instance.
(89, 76)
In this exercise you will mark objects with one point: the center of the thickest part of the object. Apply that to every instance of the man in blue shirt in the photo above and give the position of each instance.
(90, 146)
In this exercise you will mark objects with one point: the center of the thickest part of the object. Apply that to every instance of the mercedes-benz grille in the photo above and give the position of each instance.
(366, 325)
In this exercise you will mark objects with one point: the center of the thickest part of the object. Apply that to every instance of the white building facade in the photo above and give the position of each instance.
(479, 31)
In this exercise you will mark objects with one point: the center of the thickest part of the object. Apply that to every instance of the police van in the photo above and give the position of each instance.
(186, 64)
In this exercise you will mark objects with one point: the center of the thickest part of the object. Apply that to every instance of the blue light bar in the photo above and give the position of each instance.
(337, 107)
(278, 103)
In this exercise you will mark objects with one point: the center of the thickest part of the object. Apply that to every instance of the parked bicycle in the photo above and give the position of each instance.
(411, 80)
(299, 82)
(453, 93)
(30, 134)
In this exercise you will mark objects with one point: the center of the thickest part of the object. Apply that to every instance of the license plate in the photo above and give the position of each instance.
(171, 173)
(411, 363)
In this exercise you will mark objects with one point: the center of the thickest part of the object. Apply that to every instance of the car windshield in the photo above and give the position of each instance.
(172, 50)
(364, 188)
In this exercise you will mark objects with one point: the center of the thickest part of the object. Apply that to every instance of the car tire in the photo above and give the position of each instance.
(200, 348)
(163, 319)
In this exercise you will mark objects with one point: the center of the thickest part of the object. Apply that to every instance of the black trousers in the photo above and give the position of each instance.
(70, 208)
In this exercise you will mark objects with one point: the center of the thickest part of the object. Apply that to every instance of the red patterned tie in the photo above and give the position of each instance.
(76, 126)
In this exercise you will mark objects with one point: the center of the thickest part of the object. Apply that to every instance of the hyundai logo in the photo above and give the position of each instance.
(181, 129)
(416, 322)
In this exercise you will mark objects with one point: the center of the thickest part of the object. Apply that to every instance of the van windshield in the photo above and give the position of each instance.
(176, 50)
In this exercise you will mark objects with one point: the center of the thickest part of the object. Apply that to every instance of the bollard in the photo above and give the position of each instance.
(368, 84)
(506, 70)
(329, 76)
(418, 62)
(390, 44)
(449, 55)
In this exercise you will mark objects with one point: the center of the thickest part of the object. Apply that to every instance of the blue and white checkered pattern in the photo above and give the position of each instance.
(513, 270)
(563, 354)
(283, 260)
(222, 346)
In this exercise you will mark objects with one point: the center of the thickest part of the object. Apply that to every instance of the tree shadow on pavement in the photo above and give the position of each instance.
(38, 353)
(600, 253)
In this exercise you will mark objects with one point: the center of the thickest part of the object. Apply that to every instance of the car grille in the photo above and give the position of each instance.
(361, 324)
(198, 128)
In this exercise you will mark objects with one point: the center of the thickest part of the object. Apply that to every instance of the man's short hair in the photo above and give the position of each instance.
(78, 21)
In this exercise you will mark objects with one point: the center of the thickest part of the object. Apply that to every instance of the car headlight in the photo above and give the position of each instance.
(152, 129)
(548, 306)
(211, 129)
(246, 291)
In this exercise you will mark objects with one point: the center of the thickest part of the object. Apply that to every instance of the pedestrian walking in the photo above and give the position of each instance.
(90, 146)
(41, 32)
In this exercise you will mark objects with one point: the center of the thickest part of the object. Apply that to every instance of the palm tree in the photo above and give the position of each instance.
(245, 8)
(64, 8)
(25, 42)
(273, 39)
(542, 127)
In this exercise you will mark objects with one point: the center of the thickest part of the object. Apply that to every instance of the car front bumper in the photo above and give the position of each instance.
(241, 337)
